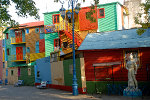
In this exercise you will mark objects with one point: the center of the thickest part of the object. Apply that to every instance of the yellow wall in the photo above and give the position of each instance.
(57, 73)
(12, 79)
(34, 56)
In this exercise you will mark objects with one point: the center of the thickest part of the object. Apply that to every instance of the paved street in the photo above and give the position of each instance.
(10, 92)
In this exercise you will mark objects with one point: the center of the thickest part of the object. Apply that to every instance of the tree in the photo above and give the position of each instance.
(24, 8)
(143, 18)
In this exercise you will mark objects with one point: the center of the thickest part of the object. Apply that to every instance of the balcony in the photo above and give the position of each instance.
(35, 56)
(63, 25)
(18, 58)
(15, 40)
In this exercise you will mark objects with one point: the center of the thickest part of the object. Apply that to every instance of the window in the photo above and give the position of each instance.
(6, 35)
(101, 13)
(27, 30)
(7, 51)
(135, 54)
(28, 49)
(19, 71)
(54, 57)
(3, 64)
(38, 73)
(37, 47)
(29, 71)
(55, 18)
(36, 30)
(65, 44)
(12, 72)
(56, 44)
(42, 30)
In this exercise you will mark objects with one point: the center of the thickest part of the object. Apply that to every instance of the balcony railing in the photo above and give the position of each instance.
(63, 25)
(15, 40)
(17, 58)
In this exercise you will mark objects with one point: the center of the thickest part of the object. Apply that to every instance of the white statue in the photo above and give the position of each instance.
(131, 66)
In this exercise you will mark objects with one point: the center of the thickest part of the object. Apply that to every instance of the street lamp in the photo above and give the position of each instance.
(72, 3)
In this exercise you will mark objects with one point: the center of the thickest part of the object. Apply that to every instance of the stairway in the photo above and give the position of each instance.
(67, 29)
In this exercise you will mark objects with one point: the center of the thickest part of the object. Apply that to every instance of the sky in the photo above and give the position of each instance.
(49, 6)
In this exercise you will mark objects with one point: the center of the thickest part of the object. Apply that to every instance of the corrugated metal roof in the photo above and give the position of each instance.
(116, 39)
(33, 24)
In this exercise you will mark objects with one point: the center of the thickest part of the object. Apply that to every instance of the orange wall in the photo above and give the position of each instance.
(85, 24)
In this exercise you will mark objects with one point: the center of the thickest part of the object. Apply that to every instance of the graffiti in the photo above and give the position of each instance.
(51, 28)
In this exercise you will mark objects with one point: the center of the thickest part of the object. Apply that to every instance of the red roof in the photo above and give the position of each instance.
(32, 24)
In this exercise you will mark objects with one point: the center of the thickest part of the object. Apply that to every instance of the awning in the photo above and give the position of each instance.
(106, 64)
(32, 64)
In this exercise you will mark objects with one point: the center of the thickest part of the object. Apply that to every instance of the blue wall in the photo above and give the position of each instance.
(43, 65)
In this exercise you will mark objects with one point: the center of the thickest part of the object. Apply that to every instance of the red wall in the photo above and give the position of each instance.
(42, 45)
(84, 23)
(119, 72)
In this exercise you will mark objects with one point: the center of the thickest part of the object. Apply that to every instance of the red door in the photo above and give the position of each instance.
(19, 53)
(18, 35)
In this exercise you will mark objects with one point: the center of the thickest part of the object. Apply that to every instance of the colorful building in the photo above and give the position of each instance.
(24, 45)
(105, 58)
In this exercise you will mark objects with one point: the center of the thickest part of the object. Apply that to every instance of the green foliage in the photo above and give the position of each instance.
(24, 8)
(139, 20)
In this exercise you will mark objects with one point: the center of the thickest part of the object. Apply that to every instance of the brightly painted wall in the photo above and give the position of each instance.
(12, 75)
(104, 76)
(109, 22)
(1, 59)
(44, 68)
(49, 43)
(84, 23)
(27, 74)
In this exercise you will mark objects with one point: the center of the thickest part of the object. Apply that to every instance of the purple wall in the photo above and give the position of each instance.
(1, 59)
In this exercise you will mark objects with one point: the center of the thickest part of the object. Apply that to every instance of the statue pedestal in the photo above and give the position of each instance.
(132, 92)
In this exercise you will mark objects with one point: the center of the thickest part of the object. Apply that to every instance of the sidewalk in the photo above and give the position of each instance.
(9, 92)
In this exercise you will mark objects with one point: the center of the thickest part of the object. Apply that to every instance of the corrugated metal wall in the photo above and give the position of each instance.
(57, 72)
(48, 18)
(42, 45)
(43, 65)
(28, 79)
(68, 74)
(84, 23)
(109, 23)
(49, 43)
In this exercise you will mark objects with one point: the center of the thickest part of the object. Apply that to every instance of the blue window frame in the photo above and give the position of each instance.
(27, 31)
(28, 49)
(36, 30)
(37, 47)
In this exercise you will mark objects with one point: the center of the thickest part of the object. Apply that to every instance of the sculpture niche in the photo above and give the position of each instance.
(132, 89)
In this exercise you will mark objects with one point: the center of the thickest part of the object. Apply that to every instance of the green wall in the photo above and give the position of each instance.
(102, 85)
(28, 79)
(48, 17)
(109, 23)
(49, 43)
(67, 76)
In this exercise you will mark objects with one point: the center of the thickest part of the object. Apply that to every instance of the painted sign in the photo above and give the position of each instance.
(51, 28)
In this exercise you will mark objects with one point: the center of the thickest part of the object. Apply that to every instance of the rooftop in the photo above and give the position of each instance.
(115, 40)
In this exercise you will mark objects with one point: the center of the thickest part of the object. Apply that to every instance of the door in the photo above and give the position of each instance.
(18, 35)
(19, 53)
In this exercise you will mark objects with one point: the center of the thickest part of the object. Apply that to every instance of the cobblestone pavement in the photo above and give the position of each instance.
(10, 92)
